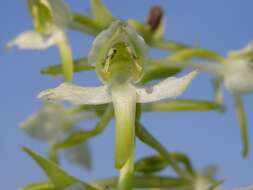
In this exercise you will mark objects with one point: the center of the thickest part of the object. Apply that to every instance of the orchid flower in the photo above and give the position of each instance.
(51, 124)
(236, 73)
(119, 55)
(50, 18)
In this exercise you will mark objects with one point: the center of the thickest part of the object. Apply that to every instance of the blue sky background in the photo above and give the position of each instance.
(208, 138)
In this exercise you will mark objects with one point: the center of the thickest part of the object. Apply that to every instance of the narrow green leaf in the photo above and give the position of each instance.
(181, 105)
(243, 124)
(79, 137)
(158, 71)
(101, 14)
(79, 66)
(40, 186)
(56, 175)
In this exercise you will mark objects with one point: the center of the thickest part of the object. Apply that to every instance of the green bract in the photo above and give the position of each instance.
(119, 54)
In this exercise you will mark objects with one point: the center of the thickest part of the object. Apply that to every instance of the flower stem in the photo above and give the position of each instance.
(148, 182)
(66, 58)
(243, 124)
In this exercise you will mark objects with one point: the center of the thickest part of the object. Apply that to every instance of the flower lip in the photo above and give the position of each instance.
(117, 32)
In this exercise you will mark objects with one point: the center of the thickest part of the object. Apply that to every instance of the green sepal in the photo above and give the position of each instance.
(60, 179)
(56, 70)
(181, 105)
(100, 13)
(243, 124)
(40, 186)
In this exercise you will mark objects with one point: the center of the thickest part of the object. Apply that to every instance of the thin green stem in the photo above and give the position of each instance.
(147, 182)
(126, 174)
(79, 137)
(66, 58)
(148, 139)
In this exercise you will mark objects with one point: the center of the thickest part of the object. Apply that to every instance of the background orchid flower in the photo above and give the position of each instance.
(119, 55)
(235, 72)
(50, 19)
(53, 123)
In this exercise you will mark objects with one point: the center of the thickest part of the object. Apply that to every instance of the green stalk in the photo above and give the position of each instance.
(243, 124)
(66, 58)
(126, 174)
(148, 182)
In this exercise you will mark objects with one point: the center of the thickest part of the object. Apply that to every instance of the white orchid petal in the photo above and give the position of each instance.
(77, 95)
(32, 40)
(168, 88)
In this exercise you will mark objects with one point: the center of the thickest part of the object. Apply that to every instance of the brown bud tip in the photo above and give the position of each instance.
(155, 17)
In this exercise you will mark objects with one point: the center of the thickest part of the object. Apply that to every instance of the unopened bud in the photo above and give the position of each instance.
(155, 17)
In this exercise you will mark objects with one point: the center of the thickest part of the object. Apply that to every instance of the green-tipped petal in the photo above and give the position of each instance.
(77, 95)
(124, 103)
(243, 124)
(169, 88)
(33, 40)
